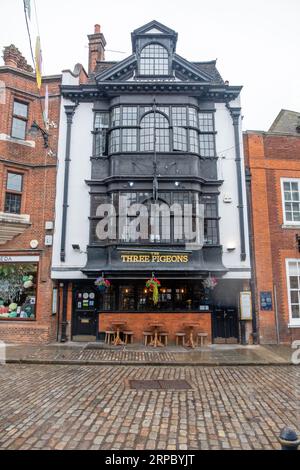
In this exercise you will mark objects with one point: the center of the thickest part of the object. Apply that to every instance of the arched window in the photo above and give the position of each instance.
(158, 123)
(154, 60)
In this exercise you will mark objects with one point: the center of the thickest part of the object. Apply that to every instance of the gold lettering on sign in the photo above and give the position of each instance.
(155, 258)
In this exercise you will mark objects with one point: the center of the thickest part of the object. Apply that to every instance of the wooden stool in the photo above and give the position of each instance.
(109, 336)
(147, 334)
(128, 335)
(202, 337)
(178, 336)
(163, 337)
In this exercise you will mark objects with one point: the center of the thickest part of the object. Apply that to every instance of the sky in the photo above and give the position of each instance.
(256, 42)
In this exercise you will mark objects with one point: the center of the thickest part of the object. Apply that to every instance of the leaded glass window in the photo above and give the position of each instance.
(154, 60)
(115, 117)
(155, 122)
(193, 118)
(194, 141)
(129, 116)
(206, 122)
(115, 141)
(101, 125)
(129, 140)
(207, 145)
(179, 116)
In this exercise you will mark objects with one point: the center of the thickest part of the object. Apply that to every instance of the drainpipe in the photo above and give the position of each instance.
(235, 114)
(64, 338)
(252, 258)
(69, 110)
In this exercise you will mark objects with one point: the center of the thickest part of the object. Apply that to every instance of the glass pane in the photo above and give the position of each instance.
(194, 141)
(14, 182)
(286, 186)
(115, 141)
(179, 116)
(193, 117)
(161, 132)
(294, 297)
(294, 186)
(294, 282)
(289, 217)
(18, 129)
(101, 120)
(115, 117)
(127, 301)
(129, 140)
(12, 203)
(293, 269)
(287, 196)
(288, 206)
(20, 109)
(180, 141)
(295, 196)
(206, 122)
(295, 311)
(129, 116)
(207, 147)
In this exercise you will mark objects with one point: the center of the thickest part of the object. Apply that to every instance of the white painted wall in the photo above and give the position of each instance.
(79, 199)
(229, 222)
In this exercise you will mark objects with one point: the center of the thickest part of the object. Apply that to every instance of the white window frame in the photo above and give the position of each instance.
(293, 322)
(288, 180)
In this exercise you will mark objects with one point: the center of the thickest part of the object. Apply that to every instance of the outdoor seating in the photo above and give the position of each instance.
(202, 337)
(128, 337)
(146, 335)
(163, 337)
(181, 336)
(109, 336)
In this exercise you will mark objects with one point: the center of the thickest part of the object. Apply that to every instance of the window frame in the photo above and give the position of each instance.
(13, 192)
(283, 201)
(19, 118)
(153, 59)
(293, 322)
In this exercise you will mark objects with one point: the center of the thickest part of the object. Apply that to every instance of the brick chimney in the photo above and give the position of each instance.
(13, 58)
(97, 45)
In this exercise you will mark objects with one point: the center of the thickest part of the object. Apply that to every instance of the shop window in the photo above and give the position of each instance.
(291, 201)
(154, 60)
(19, 122)
(18, 291)
(13, 194)
(293, 275)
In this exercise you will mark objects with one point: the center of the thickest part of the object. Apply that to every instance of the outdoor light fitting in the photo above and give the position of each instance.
(34, 131)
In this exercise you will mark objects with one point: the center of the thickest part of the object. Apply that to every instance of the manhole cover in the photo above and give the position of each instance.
(159, 385)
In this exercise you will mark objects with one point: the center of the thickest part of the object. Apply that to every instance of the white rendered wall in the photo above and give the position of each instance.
(77, 229)
(229, 223)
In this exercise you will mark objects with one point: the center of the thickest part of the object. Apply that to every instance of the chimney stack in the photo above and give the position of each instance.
(13, 58)
(97, 45)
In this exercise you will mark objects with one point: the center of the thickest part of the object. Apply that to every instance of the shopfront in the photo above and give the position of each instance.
(18, 288)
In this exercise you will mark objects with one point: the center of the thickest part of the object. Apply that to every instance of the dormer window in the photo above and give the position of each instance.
(154, 60)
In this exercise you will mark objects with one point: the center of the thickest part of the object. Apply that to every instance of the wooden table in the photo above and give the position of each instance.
(118, 325)
(155, 342)
(191, 325)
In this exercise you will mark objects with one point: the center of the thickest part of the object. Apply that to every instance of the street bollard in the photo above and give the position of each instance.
(289, 439)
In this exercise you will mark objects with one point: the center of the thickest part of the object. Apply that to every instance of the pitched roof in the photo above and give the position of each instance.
(287, 122)
(211, 69)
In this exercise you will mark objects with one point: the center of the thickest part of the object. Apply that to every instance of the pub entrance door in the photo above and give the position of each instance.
(225, 326)
(84, 319)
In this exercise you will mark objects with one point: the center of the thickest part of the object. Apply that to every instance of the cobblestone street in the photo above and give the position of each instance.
(93, 407)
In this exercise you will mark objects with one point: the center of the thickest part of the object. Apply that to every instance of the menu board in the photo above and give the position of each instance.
(245, 305)
(85, 300)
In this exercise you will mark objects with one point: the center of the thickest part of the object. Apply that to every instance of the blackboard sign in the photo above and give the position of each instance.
(266, 301)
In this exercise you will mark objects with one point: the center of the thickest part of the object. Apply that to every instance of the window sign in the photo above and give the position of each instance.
(266, 301)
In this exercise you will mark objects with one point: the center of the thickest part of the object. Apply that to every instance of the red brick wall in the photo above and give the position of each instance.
(38, 195)
(173, 323)
(271, 158)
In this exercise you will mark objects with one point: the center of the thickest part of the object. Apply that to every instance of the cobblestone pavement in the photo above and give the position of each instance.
(93, 407)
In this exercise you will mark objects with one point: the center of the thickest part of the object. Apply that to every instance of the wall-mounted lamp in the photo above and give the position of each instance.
(177, 183)
(131, 184)
(35, 130)
(231, 247)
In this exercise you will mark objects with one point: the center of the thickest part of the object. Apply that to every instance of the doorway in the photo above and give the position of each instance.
(85, 318)
(225, 326)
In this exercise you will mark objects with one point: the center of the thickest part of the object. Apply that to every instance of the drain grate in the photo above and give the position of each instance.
(159, 385)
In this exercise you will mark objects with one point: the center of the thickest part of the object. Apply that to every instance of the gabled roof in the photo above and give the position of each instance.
(155, 29)
(287, 122)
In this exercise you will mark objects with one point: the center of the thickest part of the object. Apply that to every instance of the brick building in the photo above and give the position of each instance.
(27, 198)
(273, 160)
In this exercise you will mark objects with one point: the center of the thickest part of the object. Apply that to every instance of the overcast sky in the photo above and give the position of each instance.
(256, 42)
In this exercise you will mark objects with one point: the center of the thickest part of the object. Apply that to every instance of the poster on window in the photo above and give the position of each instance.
(245, 306)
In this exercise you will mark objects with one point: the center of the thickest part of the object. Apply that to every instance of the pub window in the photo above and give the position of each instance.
(155, 122)
(114, 141)
(129, 116)
(207, 145)
(100, 131)
(13, 195)
(293, 275)
(291, 201)
(19, 121)
(127, 298)
(206, 122)
(211, 220)
(154, 60)
(129, 140)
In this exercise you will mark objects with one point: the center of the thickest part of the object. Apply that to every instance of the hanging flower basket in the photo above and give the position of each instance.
(102, 284)
(153, 284)
(210, 283)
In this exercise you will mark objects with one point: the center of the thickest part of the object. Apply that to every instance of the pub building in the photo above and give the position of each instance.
(152, 129)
